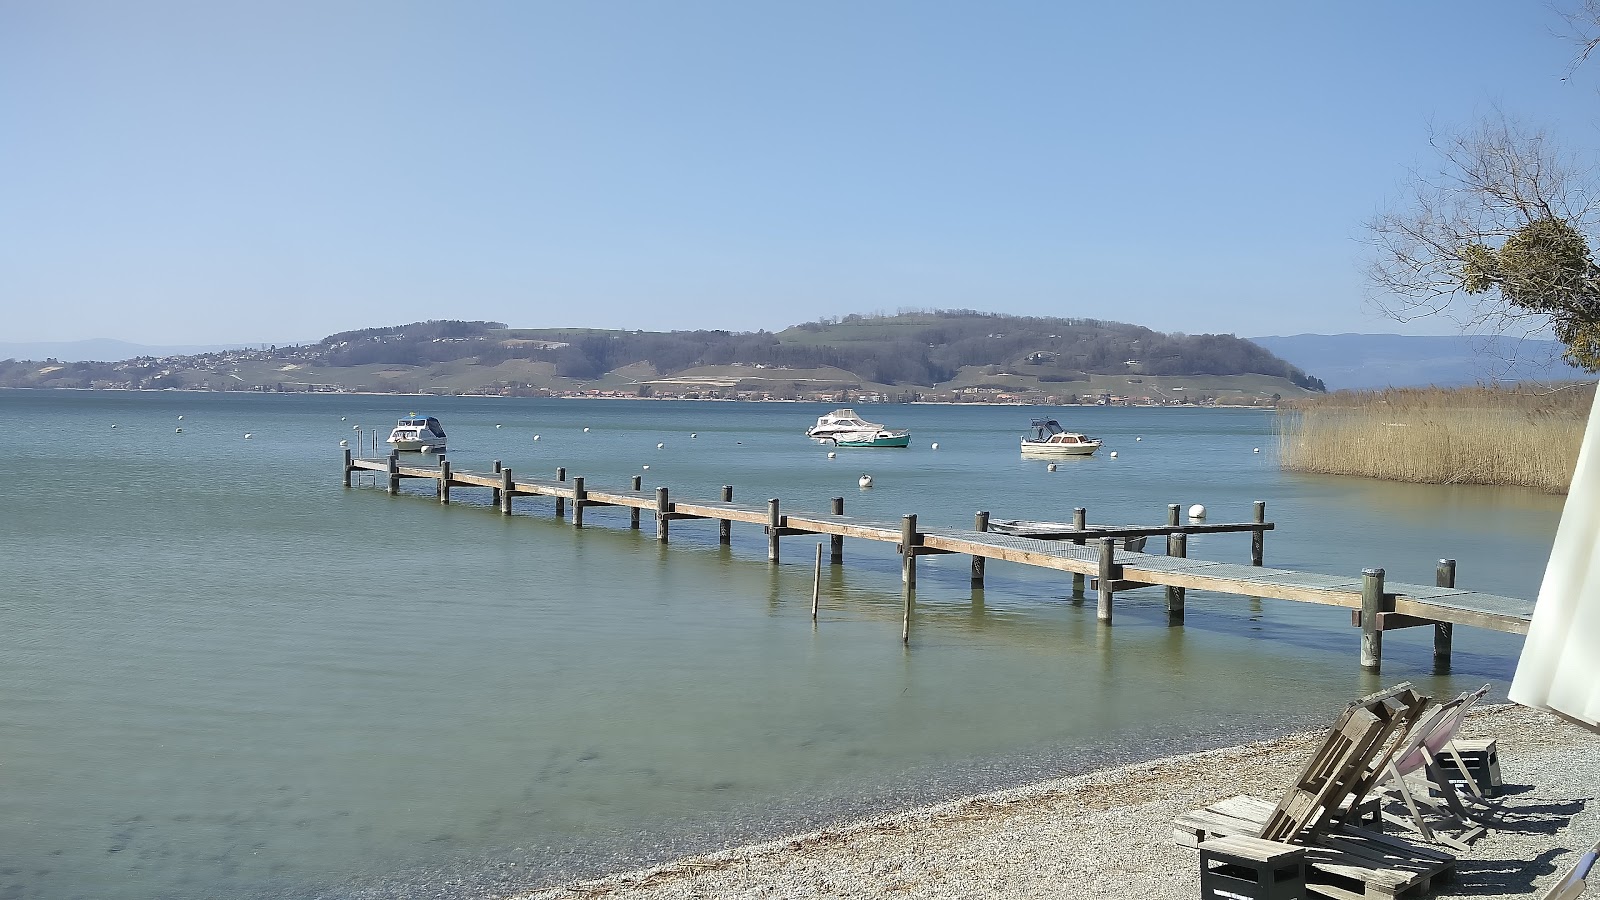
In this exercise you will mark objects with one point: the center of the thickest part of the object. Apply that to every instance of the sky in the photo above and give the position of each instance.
(198, 172)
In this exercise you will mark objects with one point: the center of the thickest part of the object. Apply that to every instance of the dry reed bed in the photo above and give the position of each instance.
(1526, 435)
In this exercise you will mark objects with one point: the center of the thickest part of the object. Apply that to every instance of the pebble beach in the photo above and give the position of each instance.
(1108, 833)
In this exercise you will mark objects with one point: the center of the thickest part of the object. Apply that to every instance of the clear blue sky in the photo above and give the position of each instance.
(276, 171)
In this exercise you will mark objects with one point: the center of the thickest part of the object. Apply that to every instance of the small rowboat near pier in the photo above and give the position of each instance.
(1098, 557)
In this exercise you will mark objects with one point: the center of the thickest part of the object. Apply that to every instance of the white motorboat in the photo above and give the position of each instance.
(416, 432)
(844, 428)
(1049, 439)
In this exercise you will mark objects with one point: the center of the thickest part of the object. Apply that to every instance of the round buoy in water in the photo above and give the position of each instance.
(832, 454)
(1256, 450)
(694, 434)
(1138, 438)
(865, 480)
(1050, 468)
(660, 445)
(1197, 511)
(341, 418)
(355, 427)
(113, 424)
(178, 430)
(536, 437)
(248, 435)
(1113, 454)
(497, 424)
(180, 418)
(585, 429)
(344, 443)
(935, 445)
(646, 465)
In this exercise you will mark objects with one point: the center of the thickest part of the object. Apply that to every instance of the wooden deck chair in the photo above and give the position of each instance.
(1426, 751)
(1572, 885)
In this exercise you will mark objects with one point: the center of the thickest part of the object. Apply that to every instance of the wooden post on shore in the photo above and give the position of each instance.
(725, 527)
(774, 524)
(444, 481)
(980, 523)
(908, 550)
(506, 492)
(1108, 568)
(394, 471)
(579, 498)
(494, 493)
(663, 506)
(836, 542)
(1258, 536)
(1371, 606)
(1443, 632)
(1080, 521)
(1177, 545)
(816, 583)
(347, 466)
(633, 512)
(561, 502)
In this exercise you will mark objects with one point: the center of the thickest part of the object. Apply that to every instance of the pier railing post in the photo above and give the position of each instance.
(579, 498)
(816, 584)
(633, 513)
(1172, 515)
(1371, 606)
(836, 542)
(663, 506)
(1080, 521)
(1443, 632)
(1108, 568)
(980, 523)
(1258, 536)
(348, 465)
(394, 472)
(908, 550)
(506, 491)
(774, 523)
(1177, 545)
(444, 481)
(725, 526)
(494, 494)
(561, 502)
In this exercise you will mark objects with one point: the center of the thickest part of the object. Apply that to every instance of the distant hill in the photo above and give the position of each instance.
(101, 349)
(958, 354)
(1364, 361)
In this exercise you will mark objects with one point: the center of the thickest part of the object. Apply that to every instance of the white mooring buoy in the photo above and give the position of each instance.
(178, 430)
(935, 446)
(661, 445)
(865, 480)
(832, 454)
(1050, 468)
(248, 435)
(344, 443)
(1256, 450)
(497, 424)
(1197, 511)
(646, 465)
(1113, 454)
(585, 429)
(536, 437)
(694, 434)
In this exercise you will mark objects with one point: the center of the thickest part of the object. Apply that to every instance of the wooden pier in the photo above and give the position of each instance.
(1088, 552)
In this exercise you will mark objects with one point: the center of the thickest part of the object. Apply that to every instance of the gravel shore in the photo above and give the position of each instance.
(1108, 834)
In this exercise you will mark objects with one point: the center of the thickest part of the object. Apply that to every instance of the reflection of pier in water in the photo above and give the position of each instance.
(1093, 554)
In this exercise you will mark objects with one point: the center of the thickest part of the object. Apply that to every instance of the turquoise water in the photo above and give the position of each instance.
(226, 675)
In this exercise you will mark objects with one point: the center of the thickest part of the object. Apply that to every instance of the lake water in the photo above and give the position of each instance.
(226, 675)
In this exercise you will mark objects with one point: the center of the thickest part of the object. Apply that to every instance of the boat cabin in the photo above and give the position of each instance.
(426, 426)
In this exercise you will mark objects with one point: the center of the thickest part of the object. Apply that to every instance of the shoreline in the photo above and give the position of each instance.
(1108, 834)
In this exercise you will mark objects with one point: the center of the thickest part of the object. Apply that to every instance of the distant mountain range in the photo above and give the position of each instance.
(104, 350)
(1367, 361)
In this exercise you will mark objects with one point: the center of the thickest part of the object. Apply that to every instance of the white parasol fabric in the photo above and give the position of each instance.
(1560, 666)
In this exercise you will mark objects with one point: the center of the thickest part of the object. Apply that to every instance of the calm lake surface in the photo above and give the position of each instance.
(226, 675)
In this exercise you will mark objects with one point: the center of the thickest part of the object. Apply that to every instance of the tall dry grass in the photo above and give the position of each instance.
(1526, 435)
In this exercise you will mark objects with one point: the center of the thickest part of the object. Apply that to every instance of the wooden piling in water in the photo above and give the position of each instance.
(494, 493)
(816, 583)
(908, 550)
(348, 466)
(1258, 536)
(506, 492)
(725, 526)
(1371, 606)
(579, 501)
(663, 506)
(444, 481)
(394, 472)
(633, 512)
(836, 542)
(980, 523)
(1108, 575)
(1177, 545)
(1443, 632)
(561, 502)
(774, 530)
(1080, 521)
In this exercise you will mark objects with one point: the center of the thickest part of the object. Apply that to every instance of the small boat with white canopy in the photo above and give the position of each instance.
(416, 432)
(844, 428)
(1049, 439)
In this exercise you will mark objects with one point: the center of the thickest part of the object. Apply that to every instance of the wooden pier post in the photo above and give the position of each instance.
(980, 523)
(1371, 606)
(1172, 515)
(836, 542)
(816, 583)
(347, 466)
(506, 492)
(774, 527)
(1258, 536)
(1177, 545)
(725, 526)
(663, 506)
(907, 593)
(444, 481)
(1108, 569)
(908, 550)
(394, 472)
(633, 512)
(561, 502)
(494, 493)
(1080, 521)
(579, 496)
(1443, 632)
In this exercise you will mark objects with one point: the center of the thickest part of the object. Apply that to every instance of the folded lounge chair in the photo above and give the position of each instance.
(1428, 751)
(1318, 811)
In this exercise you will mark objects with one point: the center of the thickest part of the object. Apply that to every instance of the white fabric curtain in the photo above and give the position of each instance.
(1560, 665)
